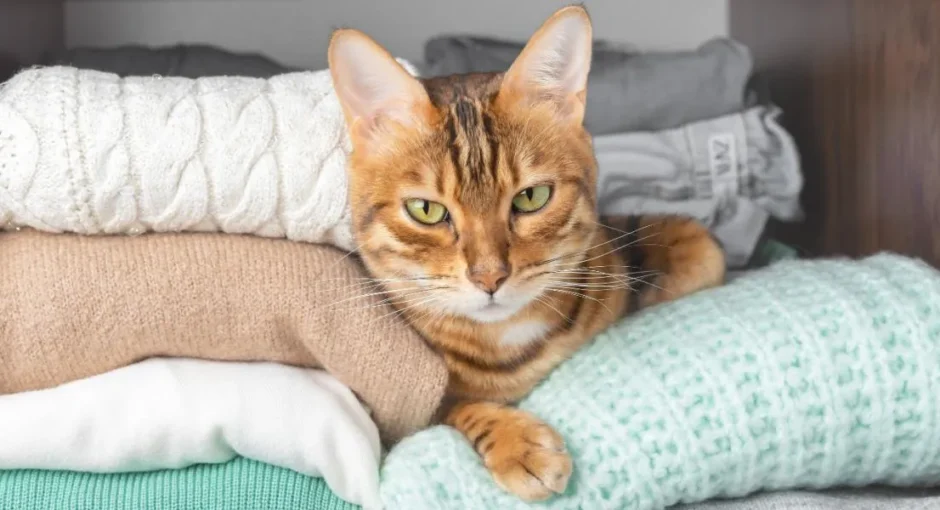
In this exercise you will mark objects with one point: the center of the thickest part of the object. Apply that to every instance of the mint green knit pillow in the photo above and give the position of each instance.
(806, 374)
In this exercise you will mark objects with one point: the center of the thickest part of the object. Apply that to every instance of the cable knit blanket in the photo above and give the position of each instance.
(92, 153)
(806, 374)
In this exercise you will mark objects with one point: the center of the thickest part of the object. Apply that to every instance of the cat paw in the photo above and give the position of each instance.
(527, 458)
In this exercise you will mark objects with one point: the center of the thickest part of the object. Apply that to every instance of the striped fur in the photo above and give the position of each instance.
(472, 143)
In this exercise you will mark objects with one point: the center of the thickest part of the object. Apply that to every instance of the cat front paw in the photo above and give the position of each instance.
(527, 458)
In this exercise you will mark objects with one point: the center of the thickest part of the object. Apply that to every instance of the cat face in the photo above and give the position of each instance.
(471, 194)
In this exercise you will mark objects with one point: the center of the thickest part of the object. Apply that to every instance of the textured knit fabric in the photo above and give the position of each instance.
(806, 374)
(866, 498)
(173, 413)
(182, 60)
(237, 485)
(628, 90)
(732, 173)
(77, 306)
(92, 153)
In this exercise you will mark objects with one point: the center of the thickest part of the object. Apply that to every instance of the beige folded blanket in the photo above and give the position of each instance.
(72, 307)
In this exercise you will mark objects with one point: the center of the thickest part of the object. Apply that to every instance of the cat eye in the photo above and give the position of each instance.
(531, 199)
(425, 211)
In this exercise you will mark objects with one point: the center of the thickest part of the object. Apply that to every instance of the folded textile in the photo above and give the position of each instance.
(77, 306)
(184, 60)
(457, 54)
(92, 153)
(237, 485)
(805, 374)
(867, 498)
(173, 413)
(732, 173)
(627, 90)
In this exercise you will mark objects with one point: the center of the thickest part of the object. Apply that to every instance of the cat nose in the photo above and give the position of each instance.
(488, 279)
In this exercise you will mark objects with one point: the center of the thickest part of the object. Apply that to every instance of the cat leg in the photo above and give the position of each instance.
(674, 255)
(525, 456)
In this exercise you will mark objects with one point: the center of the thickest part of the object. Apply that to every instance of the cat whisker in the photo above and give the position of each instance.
(408, 300)
(546, 303)
(585, 278)
(605, 282)
(398, 312)
(429, 315)
(588, 279)
(587, 250)
(593, 270)
(578, 294)
(341, 259)
(592, 288)
(628, 278)
(378, 283)
(623, 231)
(584, 251)
(588, 272)
(588, 275)
(366, 279)
(610, 228)
(593, 277)
(634, 243)
(411, 308)
(626, 269)
(389, 293)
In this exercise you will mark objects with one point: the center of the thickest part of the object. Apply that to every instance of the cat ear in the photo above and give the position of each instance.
(554, 65)
(373, 88)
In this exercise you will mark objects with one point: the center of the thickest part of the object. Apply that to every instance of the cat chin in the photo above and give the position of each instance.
(492, 313)
(480, 309)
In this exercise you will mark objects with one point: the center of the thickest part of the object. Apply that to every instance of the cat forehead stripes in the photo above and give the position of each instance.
(473, 141)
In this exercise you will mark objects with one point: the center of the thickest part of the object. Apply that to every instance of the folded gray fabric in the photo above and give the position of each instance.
(627, 90)
(187, 61)
(732, 173)
(875, 498)
(454, 54)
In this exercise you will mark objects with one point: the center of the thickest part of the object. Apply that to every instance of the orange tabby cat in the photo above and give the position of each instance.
(473, 200)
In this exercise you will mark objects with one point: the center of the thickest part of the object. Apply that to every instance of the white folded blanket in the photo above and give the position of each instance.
(92, 153)
(172, 413)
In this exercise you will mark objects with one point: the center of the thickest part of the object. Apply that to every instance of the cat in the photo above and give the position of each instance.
(474, 205)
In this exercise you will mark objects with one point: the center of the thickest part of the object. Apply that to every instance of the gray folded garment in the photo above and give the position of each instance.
(869, 498)
(184, 60)
(732, 173)
(627, 90)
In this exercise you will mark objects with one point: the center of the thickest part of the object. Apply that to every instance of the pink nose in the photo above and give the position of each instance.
(490, 279)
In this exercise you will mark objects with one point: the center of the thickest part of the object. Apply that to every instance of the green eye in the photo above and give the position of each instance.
(532, 199)
(425, 211)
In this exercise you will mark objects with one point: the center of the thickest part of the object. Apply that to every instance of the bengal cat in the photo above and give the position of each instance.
(473, 202)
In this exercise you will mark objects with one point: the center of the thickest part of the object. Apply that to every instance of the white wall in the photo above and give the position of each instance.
(296, 32)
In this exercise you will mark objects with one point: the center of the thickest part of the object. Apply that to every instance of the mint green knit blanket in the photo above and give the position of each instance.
(237, 485)
(806, 374)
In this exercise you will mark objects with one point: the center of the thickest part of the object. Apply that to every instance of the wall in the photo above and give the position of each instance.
(27, 30)
(859, 83)
(296, 32)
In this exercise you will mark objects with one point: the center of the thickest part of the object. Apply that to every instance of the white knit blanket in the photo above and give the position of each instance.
(93, 153)
(165, 413)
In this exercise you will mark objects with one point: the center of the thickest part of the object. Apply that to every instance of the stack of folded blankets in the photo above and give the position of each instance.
(183, 321)
(179, 291)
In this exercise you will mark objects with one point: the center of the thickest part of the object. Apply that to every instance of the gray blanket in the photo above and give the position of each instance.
(875, 498)
(627, 91)
(187, 61)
